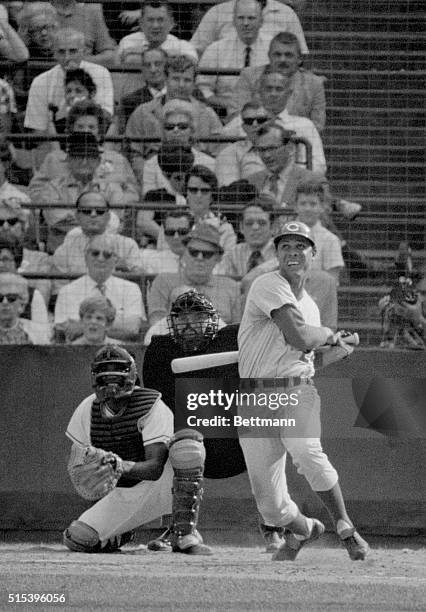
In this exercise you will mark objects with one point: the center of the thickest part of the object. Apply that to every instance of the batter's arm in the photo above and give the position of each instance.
(151, 468)
(299, 334)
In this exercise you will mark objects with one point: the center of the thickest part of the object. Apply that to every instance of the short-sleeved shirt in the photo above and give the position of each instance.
(156, 426)
(132, 46)
(48, 89)
(329, 251)
(263, 349)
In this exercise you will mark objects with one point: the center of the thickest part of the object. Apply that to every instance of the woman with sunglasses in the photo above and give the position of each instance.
(201, 197)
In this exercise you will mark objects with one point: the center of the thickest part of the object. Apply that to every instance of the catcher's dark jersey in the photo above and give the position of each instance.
(224, 456)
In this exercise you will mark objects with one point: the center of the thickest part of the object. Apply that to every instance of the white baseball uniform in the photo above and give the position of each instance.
(264, 353)
(126, 508)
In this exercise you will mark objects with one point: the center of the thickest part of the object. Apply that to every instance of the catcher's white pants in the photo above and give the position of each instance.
(266, 456)
(127, 508)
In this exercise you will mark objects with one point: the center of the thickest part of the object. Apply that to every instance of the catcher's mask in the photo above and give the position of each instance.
(113, 373)
(193, 321)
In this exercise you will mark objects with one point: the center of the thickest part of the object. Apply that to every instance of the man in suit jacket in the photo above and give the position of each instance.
(282, 175)
(307, 97)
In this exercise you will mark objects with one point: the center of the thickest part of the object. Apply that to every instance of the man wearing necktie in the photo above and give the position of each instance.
(245, 46)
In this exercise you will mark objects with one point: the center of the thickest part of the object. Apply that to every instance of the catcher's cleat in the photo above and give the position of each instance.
(115, 543)
(272, 536)
(190, 544)
(356, 546)
(292, 546)
(162, 543)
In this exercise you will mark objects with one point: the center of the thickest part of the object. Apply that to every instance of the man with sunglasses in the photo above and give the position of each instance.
(202, 253)
(240, 159)
(101, 256)
(93, 216)
(13, 299)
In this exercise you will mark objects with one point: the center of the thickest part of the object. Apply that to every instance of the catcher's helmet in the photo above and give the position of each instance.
(294, 228)
(191, 332)
(113, 373)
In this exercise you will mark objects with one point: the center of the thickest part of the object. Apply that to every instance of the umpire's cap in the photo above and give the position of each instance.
(294, 228)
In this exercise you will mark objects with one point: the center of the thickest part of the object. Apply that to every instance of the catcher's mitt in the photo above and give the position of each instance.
(93, 471)
(325, 355)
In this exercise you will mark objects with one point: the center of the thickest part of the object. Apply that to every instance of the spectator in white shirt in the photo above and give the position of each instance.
(246, 46)
(217, 23)
(156, 22)
(47, 89)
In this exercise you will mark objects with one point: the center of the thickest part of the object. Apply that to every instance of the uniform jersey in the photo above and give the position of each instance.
(156, 425)
(263, 349)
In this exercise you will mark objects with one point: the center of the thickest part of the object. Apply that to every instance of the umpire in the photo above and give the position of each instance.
(279, 330)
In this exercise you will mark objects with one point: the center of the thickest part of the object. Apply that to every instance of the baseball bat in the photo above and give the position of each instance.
(200, 362)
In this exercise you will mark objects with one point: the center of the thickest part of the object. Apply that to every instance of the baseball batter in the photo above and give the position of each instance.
(279, 330)
(140, 462)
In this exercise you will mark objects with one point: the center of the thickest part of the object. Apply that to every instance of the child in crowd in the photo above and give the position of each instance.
(97, 315)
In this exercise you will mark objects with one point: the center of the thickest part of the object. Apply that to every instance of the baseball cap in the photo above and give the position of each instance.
(82, 144)
(294, 228)
(206, 233)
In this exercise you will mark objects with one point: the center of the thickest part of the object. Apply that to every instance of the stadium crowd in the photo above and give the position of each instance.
(148, 140)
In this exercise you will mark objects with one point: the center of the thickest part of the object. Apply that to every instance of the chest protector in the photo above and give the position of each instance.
(120, 434)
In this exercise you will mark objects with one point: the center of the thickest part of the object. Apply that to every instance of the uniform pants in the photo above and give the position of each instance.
(125, 508)
(266, 456)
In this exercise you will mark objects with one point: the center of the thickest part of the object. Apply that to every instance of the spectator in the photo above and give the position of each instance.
(174, 162)
(93, 216)
(12, 46)
(310, 210)
(97, 315)
(246, 46)
(13, 328)
(101, 257)
(83, 170)
(89, 20)
(88, 117)
(201, 197)
(257, 246)
(153, 77)
(13, 9)
(79, 87)
(203, 252)
(47, 89)
(38, 22)
(146, 120)
(240, 159)
(176, 226)
(282, 175)
(307, 98)
(217, 23)
(177, 129)
(156, 22)
(274, 92)
(11, 255)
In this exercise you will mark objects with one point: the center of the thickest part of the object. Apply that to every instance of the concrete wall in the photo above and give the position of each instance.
(382, 477)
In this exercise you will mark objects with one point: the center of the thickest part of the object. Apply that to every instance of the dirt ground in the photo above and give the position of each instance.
(233, 578)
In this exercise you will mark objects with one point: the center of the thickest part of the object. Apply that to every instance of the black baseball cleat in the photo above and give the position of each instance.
(292, 546)
(114, 544)
(356, 546)
(162, 543)
(272, 536)
(190, 544)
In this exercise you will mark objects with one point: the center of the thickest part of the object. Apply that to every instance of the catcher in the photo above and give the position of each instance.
(125, 458)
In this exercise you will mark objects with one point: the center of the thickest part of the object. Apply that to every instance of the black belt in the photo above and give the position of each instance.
(275, 383)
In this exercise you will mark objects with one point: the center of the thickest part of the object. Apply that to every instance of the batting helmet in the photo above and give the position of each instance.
(294, 228)
(113, 373)
(192, 333)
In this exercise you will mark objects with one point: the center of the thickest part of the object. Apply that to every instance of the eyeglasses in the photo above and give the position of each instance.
(96, 253)
(12, 221)
(169, 127)
(204, 254)
(272, 148)
(199, 189)
(88, 211)
(6, 259)
(182, 231)
(10, 297)
(252, 120)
